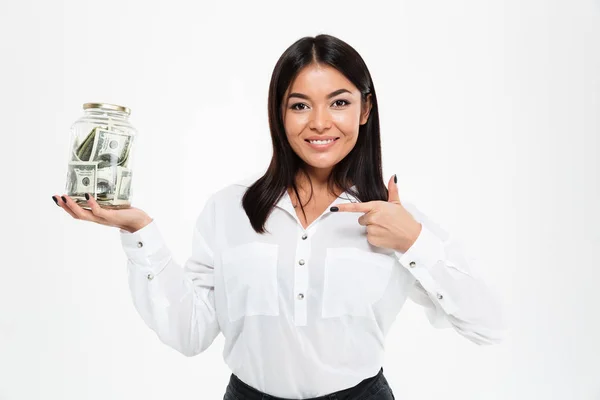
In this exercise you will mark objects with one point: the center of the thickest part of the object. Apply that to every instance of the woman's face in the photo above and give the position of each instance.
(322, 105)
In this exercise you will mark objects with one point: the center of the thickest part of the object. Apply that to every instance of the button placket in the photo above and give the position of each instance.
(301, 263)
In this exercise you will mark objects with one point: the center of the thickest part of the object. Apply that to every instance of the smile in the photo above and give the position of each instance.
(321, 144)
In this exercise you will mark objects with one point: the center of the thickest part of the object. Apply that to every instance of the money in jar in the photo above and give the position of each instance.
(100, 156)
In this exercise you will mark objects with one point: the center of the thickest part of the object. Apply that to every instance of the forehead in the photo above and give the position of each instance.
(319, 79)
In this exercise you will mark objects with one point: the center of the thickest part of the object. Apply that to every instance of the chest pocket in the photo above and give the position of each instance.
(354, 280)
(250, 277)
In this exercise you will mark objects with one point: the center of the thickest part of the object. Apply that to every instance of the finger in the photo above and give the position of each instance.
(61, 204)
(96, 209)
(364, 220)
(55, 198)
(393, 196)
(357, 207)
(370, 218)
(79, 212)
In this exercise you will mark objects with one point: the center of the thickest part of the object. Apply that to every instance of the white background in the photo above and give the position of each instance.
(489, 116)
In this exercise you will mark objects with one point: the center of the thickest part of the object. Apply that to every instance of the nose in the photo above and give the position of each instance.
(321, 120)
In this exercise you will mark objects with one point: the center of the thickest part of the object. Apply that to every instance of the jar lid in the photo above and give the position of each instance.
(107, 106)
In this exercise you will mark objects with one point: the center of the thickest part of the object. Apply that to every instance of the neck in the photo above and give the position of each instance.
(317, 177)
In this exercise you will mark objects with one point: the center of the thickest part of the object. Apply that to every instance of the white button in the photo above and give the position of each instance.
(140, 244)
(439, 296)
(304, 236)
(150, 277)
(301, 262)
(412, 264)
(300, 296)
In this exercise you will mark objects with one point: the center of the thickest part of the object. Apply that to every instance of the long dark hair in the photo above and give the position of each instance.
(361, 167)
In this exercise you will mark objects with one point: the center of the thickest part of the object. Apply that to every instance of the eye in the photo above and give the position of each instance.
(293, 107)
(342, 100)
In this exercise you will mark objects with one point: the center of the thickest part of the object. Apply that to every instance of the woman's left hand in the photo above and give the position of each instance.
(388, 223)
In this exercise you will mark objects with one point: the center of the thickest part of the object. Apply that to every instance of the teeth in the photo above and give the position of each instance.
(321, 141)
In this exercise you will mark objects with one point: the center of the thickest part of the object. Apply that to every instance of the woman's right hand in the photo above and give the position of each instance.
(129, 219)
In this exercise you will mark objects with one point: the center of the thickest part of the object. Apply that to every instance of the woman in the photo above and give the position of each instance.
(304, 269)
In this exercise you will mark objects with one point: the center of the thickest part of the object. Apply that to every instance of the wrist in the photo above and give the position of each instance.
(134, 227)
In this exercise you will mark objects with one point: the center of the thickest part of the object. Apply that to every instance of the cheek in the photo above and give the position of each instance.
(347, 121)
(294, 123)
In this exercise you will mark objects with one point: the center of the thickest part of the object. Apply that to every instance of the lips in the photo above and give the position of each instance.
(321, 147)
(321, 138)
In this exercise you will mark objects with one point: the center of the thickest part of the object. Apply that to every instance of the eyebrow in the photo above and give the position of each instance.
(330, 95)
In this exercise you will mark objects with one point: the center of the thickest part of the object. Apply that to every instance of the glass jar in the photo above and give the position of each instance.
(100, 156)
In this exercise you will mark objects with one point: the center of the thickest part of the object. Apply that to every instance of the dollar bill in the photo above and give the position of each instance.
(123, 187)
(106, 182)
(88, 146)
(124, 161)
(82, 178)
(110, 147)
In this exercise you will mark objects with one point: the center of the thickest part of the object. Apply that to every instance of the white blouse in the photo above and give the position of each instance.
(304, 312)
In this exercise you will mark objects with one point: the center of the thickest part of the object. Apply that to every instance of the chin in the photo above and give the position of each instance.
(320, 163)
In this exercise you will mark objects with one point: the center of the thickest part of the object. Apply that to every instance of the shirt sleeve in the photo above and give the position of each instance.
(176, 302)
(448, 286)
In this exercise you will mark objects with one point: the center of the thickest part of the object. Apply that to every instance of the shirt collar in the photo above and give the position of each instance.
(286, 202)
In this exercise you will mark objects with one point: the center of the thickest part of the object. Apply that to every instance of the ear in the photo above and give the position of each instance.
(366, 109)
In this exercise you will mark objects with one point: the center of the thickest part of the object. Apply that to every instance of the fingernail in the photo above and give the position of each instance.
(56, 201)
(87, 196)
(395, 179)
(334, 208)
(63, 198)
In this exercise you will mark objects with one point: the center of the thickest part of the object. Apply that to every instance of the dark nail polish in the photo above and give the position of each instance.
(395, 179)
(64, 199)
(87, 196)
(334, 208)
(56, 201)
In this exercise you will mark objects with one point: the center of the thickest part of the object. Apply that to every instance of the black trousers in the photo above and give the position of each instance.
(373, 388)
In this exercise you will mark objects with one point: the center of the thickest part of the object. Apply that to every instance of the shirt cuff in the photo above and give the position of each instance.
(425, 252)
(419, 259)
(145, 246)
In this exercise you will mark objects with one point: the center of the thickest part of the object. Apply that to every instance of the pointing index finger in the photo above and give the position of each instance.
(354, 207)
